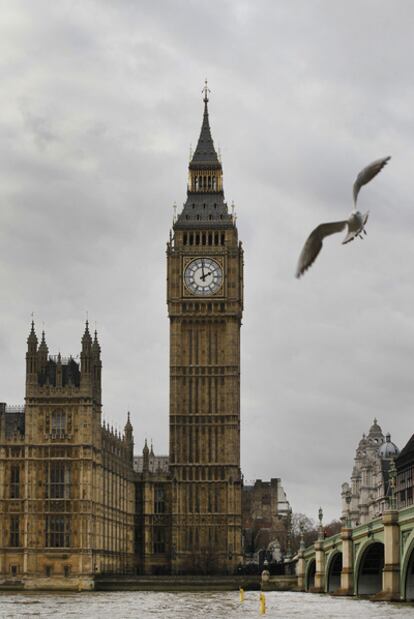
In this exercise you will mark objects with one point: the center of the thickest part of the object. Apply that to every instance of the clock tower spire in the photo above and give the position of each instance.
(205, 196)
(205, 303)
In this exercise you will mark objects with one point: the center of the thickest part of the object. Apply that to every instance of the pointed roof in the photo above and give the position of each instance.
(95, 346)
(86, 337)
(32, 339)
(406, 454)
(204, 209)
(128, 425)
(145, 451)
(43, 346)
(205, 154)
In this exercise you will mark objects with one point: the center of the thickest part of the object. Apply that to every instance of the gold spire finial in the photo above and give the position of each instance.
(206, 90)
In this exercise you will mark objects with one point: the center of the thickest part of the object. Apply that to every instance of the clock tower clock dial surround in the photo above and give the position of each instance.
(203, 276)
(205, 304)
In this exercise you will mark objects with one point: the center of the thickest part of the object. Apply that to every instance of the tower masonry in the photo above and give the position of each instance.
(205, 304)
(67, 493)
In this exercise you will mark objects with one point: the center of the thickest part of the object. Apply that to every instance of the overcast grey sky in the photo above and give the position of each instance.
(99, 103)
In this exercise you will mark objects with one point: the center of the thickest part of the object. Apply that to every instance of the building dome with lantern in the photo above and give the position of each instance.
(365, 497)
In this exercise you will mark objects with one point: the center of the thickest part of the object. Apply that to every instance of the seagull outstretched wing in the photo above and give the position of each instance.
(367, 174)
(314, 242)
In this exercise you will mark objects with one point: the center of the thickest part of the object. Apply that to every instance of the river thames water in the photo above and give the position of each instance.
(143, 605)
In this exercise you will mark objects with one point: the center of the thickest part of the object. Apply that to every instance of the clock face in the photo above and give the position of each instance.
(203, 276)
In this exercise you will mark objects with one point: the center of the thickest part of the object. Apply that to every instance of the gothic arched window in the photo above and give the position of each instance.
(58, 422)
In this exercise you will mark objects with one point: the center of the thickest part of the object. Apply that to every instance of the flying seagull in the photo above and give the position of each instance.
(355, 222)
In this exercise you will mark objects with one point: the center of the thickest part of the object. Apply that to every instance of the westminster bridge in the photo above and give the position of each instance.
(375, 559)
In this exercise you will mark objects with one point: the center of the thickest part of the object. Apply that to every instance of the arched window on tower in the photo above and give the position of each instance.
(58, 425)
(196, 182)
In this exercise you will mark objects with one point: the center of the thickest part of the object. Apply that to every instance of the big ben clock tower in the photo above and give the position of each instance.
(205, 303)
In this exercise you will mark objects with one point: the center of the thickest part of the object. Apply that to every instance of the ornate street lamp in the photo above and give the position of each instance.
(392, 484)
(348, 499)
(320, 516)
(302, 538)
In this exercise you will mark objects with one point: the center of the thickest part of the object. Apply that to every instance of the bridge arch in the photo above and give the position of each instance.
(368, 568)
(333, 571)
(407, 570)
(310, 575)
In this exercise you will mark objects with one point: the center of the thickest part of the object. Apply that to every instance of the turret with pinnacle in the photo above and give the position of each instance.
(205, 303)
(44, 371)
(31, 357)
(42, 353)
(129, 438)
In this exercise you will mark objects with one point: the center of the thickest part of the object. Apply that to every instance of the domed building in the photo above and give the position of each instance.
(365, 497)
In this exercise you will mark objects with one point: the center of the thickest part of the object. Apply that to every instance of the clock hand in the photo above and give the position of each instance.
(202, 269)
(203, 277)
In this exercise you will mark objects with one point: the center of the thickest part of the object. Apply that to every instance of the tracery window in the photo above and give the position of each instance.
(58, 480)
(159, 500)
(14, 531)
(159, 540)
(58, 422)
(15, 481)
(57, 531)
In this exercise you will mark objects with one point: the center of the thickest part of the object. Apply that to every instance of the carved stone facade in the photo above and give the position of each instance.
(66, 481)
(153, 513)
(74, 501)
(205, 304)
(405, 475)
(367, 495)
(265, 511)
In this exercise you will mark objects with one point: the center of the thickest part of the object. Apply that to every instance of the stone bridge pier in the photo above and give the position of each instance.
(375, 559)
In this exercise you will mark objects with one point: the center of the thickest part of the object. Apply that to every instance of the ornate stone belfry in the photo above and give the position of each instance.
(205, 303)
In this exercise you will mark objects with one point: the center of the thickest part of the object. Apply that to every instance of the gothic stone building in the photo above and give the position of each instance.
(265, 511)
(74, 502)
(405, 478)
(66, 481)
(205, 304)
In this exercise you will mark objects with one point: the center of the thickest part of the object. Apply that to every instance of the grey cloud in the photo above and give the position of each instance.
(99, 104)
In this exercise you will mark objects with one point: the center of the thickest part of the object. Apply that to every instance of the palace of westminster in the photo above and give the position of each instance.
(74, 500)
(76, 503)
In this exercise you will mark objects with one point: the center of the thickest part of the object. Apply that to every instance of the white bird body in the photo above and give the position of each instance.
(355, 222)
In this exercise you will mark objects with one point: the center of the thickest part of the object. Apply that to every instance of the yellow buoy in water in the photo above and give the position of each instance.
(241, 594)
(262, 606)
